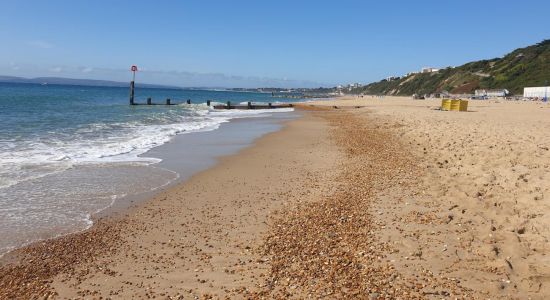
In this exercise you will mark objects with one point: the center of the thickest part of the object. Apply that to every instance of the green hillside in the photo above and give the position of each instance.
(529, 66)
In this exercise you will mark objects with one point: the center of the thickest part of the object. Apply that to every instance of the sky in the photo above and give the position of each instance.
(279, 43)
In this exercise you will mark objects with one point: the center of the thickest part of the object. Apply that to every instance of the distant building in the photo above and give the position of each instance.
(353, 86)
(492, 93)
(429, 70)
(536, 92)
(392, 78)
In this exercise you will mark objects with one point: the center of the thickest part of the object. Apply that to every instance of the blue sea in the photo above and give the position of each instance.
(67, 152)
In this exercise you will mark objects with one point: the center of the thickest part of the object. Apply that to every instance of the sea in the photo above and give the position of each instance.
(69, 152)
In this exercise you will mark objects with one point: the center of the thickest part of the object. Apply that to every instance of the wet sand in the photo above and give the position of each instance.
(197, 238)
(389, 200)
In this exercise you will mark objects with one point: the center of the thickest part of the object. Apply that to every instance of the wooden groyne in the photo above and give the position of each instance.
(168, 101)
(208, 102)
(249, 105)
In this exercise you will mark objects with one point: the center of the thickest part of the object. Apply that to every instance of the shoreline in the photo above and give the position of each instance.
(209, 145)
(55, 176)
(373, 199)
(105, 228)
(192, 153)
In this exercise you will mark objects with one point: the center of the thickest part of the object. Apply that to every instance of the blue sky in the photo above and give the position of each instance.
(258, 43)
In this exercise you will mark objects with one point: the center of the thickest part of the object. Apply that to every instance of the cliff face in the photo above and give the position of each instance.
(529, 66)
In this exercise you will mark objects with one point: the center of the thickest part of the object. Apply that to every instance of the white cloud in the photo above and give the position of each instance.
(87, 70)
(40, 44)
(56, 69)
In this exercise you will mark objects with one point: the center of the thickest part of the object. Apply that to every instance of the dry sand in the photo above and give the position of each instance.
(480, 213)
(393, 199)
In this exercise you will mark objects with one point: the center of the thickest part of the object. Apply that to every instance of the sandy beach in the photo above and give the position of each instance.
(476, 215)
(370, 198)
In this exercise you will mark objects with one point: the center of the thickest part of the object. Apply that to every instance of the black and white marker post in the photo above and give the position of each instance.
(134, 70)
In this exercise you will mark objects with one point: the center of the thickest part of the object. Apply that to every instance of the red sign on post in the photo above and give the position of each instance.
(134, 68)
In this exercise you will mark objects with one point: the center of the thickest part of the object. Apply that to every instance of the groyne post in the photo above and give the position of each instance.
(168, 101)
(132, 84)
(149, 101)
(188, 101)
(270, 106)
(132, 92)
(228, 104)
(207, 102)
(249, 104)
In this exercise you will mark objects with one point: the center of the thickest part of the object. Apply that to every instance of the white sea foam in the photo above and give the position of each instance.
(46, 208)
(98, 172)
(262, 103)
(36, 158)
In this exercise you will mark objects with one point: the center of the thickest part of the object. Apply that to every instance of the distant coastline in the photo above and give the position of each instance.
(80, 82)
(294, 93)
(308, 93)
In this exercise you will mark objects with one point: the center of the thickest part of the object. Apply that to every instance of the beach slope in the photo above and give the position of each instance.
(376, 198)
